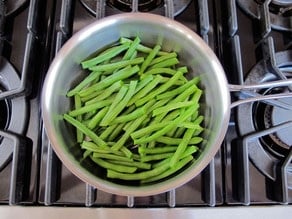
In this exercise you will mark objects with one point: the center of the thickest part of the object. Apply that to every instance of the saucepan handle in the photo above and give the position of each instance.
(248, 93)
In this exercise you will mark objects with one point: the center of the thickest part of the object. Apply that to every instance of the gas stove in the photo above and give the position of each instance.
(251, 38)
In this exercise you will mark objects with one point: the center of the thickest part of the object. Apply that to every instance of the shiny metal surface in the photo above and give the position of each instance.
(152, 29)
(163, 213)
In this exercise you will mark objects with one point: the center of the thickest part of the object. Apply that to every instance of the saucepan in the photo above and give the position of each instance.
(152, 29)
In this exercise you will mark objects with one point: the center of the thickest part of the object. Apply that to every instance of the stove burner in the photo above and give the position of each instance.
(268, 116)
(267, 151)
(143, 5)
(13, 111)
(13, 6)
(280, 12)
(285, 3)
(278, 116)
(4, 112)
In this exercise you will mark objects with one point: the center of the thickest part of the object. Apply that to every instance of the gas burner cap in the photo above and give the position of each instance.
(286, 3)
(278, 116)
(280, 12)
(15, 110)
(267, 151)
(143, 5)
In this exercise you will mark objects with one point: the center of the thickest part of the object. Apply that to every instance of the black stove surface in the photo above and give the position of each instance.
(253, 165)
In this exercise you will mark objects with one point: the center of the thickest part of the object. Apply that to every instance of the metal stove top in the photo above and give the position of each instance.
(251, 38)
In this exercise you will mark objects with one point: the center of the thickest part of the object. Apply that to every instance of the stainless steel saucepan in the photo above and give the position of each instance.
(153, 29)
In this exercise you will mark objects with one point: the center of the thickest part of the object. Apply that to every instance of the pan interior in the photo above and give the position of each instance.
(65, 72)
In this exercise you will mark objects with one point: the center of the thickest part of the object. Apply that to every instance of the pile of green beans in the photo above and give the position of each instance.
(135, 112)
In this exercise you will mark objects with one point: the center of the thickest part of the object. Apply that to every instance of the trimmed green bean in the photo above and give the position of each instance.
(117, 65)
(149, 58)
(169, 171)
(132, 49)
(175, 141)
(111, 156)
(159, 90)
(119, 75)
(106, 93)
(166, 63)
(106, 55)
(146, 89)
(172, 106)
(79, 134)
(163, 58)
(182, 147)
(97, 118)
(112, 113)
(141, 47)
(137, 176)
(134, 125)
(112, 166)
(156, 150)
(152, 157)
(139, 165)
(85, 131)
(90, 108)
(131, 116)
(91, 77)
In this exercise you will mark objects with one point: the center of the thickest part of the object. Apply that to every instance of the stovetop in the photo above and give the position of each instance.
(251, 38)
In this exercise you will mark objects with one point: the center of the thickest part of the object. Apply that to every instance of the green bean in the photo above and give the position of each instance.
(153, 157)
(88, 145)
(189, 151)
(132, 49)
(139, 165)
(91, 77)
(157, 150)
(166, 128)
(104, 135)
(159, 90)
(159, 71)
(79, 134)
(97, 118)
(143, 82)
(120, 95)
(119, 75)
(126, 151)
(85, 131)
(155, 135)
(106, 93)
(116, 132)
(175, 141)
(166, 63)
(117, 65)
(147, 130)
(169, 171)
(134, 125)
(163, 58)
(177, 91)
(137, 176)
(131, 116)
(112, 166)
(141, 47)
(181, 147)
(146, 89)
(111, 156)
(112, 113)
(172, 106)
(90, 108)
(106, 55)
(149, 58)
